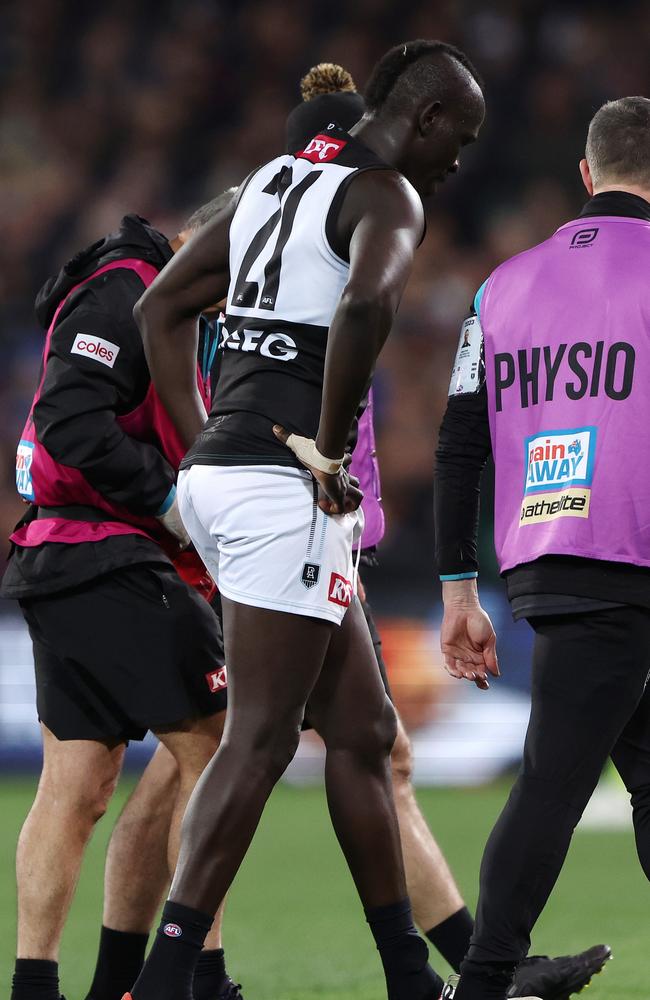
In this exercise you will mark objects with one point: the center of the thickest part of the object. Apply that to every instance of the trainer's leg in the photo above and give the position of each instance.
(76, 784)
(351, 711)
(631, 756)
(589, 673)
(438, 907)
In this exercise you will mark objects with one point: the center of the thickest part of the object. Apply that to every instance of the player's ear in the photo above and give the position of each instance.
(428, 117)
(585, 173)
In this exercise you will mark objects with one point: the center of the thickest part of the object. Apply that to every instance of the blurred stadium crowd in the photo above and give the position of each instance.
(158, 105)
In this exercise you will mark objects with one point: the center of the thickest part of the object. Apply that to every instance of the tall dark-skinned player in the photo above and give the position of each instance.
(313, 253)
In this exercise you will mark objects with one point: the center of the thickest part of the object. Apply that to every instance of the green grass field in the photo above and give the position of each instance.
(294, 929)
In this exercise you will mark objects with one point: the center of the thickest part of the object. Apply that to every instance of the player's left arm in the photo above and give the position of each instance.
(168, 315)
(467, 637)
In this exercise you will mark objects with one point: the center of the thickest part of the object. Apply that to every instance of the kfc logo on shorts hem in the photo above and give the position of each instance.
(217, 680)
(172, 930)
(95, 348)
(340, 591)
(322, 149)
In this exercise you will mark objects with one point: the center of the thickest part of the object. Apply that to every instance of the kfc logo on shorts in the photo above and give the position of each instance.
(217, 679)
(95, 348)
(340, 591)
(322, 149)
(172, 930)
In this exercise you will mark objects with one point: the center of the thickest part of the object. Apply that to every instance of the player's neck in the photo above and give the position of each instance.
(386, 143)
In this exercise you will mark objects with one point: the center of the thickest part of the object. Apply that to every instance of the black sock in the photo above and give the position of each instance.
(169, 969)
(35, 979)
(451, 937)
(119, 962)
(485, 980)
(403, 953)
(210, 977)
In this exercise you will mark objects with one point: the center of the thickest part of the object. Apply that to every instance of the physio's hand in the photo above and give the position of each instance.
(339, 492)
(467, 638)
(171, 521)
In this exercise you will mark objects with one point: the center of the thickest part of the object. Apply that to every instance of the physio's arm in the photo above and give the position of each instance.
(168, 313)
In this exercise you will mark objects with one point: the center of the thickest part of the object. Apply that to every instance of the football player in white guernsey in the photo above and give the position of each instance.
(314, 253)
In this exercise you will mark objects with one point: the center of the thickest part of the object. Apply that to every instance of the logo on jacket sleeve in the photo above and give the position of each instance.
(340, 591)
(24, 458)
(322, 149)
(95, 348)
(217, 679)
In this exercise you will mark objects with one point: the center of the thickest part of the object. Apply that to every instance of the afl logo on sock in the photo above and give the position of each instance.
(172, 930)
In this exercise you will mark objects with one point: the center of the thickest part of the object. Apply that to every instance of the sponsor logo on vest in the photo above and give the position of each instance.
(310, 574)
(172, 930)
(95, 348)
(559, 472)
(340, 591)
(549, 506)
(322, 149)
(24, 458)
(540, 372)
(280, 346)
(217, 679)
(584, 238)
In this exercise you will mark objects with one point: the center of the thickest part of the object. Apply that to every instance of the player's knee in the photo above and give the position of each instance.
(84, 796)
(401, 759)
(375, 735)
(271, 744)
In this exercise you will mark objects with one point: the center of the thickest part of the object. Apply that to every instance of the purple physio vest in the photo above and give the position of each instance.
(366, 468)
(566, 328)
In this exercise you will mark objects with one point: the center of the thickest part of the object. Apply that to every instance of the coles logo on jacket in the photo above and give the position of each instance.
(95, 348)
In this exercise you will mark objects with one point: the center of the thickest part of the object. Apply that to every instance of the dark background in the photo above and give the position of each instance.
(156, 107)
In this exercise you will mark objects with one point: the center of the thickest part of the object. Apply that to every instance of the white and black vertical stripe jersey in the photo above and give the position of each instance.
(287, 273)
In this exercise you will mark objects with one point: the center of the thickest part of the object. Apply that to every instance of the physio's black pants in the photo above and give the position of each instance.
(588, 702)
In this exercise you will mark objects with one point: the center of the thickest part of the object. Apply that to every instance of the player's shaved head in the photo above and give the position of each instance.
(413, 71)
(618, 143)
(424, 103)
(208, 211)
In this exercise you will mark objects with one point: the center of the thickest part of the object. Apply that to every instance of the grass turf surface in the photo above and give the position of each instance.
(294, 929)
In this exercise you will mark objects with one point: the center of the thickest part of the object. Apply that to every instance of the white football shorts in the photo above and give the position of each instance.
(265, 540)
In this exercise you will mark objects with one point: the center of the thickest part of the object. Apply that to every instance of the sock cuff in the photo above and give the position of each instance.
(184, 924)
(384, 914)
(451, 937)
(37, 966)
(110, 934)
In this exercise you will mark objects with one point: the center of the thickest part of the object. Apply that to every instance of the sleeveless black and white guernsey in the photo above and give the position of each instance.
(287, 274)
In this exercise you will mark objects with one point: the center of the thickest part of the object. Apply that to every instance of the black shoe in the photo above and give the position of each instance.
(231, 992)
(558, 978)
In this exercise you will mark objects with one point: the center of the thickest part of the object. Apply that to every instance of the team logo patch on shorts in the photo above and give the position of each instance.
(217, 679)
(310, 574)
(340, 591)
(172, 930)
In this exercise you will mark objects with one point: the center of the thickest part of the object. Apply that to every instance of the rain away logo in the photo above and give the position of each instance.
(559, 459)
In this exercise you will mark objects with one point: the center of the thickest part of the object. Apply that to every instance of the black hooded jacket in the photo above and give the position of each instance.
(76, 414)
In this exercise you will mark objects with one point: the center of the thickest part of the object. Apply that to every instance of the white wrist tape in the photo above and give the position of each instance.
(305, 449)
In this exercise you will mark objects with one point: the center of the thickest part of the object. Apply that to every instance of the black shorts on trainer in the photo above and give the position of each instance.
(133, 650)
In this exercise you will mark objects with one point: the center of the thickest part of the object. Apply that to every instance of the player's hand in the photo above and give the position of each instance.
(339, 492)
(171, 521)
(468, 644)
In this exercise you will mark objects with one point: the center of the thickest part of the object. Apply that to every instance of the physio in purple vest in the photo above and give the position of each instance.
(551, 377)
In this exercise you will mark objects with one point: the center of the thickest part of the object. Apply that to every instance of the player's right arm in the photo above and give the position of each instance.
(382, 219)
(168, 313)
